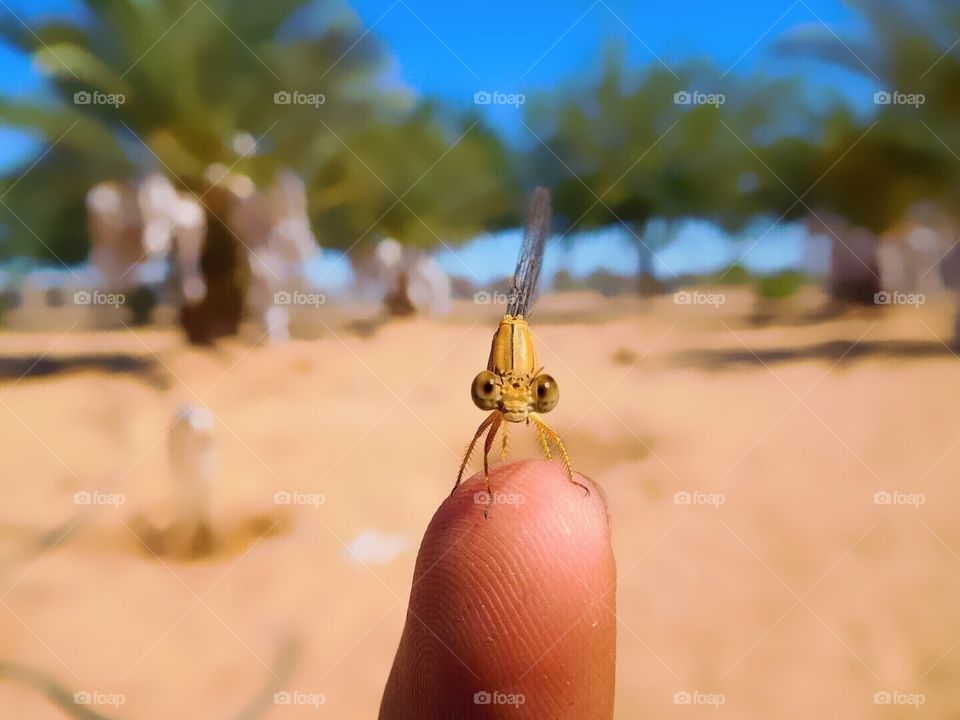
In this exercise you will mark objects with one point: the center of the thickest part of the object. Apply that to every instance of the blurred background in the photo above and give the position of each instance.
(252, 255)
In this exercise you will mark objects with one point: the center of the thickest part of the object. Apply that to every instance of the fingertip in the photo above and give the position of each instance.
(522, 602)
(527, 490)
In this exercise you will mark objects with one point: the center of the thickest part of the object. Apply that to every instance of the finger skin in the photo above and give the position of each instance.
(522, 604)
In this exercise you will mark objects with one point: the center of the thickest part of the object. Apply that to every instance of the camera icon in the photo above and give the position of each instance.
(482, 98)
(282, 297)
(882, 497)
(482, 298)
(282, 498)
(882, 298)
(82, 297)
(682, 498)
(482, 698)
(82, 698)
(682, 297)
(282, 698)
(682, 98)
(482, 497)
(882, 97)
(682, 697)
(882, 698)
(82, 97)
(82, 498)
(282, 97)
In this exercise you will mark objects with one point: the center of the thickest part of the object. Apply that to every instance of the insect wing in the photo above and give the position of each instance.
(526, 278)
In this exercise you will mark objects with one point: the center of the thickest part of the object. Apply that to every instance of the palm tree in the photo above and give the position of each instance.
(874, 171)
(630, 148)
(425, 179)
(169, 86)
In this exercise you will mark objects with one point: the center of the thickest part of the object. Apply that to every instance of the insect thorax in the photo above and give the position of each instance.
(512, 353)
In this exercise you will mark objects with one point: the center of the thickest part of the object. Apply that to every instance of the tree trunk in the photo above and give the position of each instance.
(647, 283)
(855, 270)
(956, 324)
(226, 273)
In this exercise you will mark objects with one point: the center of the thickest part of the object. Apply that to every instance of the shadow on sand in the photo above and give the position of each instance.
(15, 367)
(842, 352)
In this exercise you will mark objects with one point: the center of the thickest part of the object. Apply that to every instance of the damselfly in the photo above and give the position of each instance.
(513, 387)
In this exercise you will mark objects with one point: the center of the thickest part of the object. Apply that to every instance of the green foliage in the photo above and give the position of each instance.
(872, 171)
(608, 284)
(563, 281)
(736, 274)
(781, 285)
(425, 179)
(624, 150)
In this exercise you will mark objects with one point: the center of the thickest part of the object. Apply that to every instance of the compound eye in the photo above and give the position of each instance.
(546, 394)
(485, 391)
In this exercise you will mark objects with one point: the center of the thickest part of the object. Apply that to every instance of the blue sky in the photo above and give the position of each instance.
(522, 47)
(453, 50)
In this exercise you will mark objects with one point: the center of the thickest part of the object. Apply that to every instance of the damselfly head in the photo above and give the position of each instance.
(515, 395)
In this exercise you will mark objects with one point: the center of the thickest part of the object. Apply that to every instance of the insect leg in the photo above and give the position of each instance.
(544, 445)
(487, 444)
(503, 447)
(466, 456)
(542, 424)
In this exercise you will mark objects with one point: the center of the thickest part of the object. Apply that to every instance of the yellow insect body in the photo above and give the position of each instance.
(514, 388)
(512, 348)
(513, 359)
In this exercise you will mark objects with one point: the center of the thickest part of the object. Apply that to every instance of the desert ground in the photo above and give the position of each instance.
(782, 482)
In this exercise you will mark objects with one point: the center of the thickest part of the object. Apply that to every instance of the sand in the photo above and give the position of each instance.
(784, 588)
